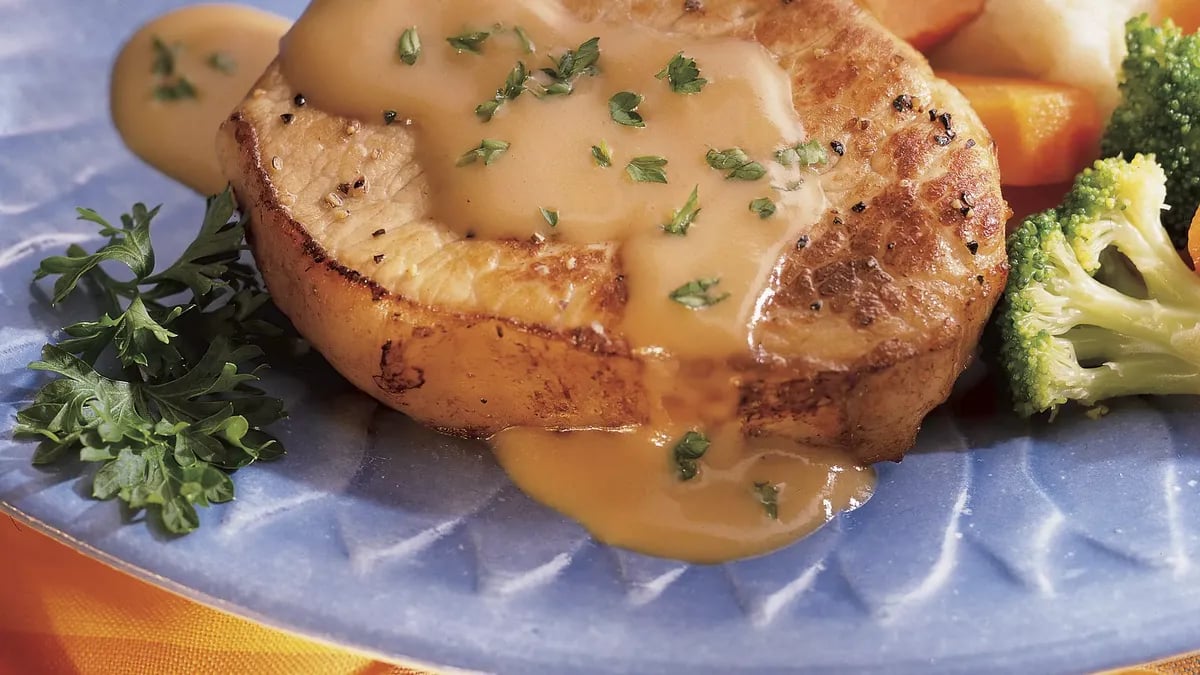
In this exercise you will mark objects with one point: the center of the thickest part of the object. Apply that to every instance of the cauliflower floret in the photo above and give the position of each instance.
(1079, 42)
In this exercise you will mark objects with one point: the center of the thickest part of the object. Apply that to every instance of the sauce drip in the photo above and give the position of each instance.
(549, 162)
(624, 488)
(169, 99)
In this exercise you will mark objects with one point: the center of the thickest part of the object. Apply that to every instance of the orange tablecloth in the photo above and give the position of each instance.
(61, 612)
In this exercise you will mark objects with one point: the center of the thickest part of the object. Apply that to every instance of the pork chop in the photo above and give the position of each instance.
(863, 330)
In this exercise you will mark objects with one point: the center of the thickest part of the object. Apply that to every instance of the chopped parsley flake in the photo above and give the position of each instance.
(175, 91)
(809, 153)
(164, 58)
(768, 496)
(687, 453)
(223, 62)
(526, 44)
(695, 294)
(765, 208)
(736, 162)
(647, 169)
(683, 75)
(623, 107)
(409, 46)
(489, 150)
(513, 86)
(602, 154)
(550, 215)
(570, 66)
(469, 42)
(683, 218)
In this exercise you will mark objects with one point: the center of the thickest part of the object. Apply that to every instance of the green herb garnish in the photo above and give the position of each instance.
(175, 91)
(765, 208)
(809, 153)
(164, 66)
(409, 46)
(736, 162)
(469, 42)
(695, 294)
(176, 412)
(623, 108)
(573, 64)
(526, 44)
(513, 86)
(687, 453)
(683, 75)
(550, 215)
(682, 219)
(223, 62)
(164, 57)
(647, 169)
(489, 150)
(768, 496)
(602, 154)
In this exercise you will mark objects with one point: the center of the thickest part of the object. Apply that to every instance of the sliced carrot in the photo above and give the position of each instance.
(926, 24)
(1186, 13)
(1045, 133)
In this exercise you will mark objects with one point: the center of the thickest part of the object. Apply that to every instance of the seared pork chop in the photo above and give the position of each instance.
(862, 332)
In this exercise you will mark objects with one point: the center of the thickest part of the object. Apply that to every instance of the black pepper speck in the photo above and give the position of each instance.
(838, 148)
(903, 103)
(287, 118)
(300, 101)
(973, 247)
(859, 207)
(379, 233)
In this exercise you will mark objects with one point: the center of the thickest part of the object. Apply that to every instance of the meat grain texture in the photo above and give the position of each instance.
(866, 328)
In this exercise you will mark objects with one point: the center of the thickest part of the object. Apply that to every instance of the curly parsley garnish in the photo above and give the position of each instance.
(176, 412)
(695, 294)
(683, 75)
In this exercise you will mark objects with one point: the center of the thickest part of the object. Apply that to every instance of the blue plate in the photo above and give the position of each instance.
(997, 546)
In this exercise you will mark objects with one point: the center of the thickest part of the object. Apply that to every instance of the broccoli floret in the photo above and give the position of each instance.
(1099, 304)
(1160, 113)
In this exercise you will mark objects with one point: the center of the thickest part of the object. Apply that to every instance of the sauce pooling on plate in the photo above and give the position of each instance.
(531, 124)
(178, 78)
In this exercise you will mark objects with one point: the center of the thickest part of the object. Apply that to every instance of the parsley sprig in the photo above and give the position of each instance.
(175, 411)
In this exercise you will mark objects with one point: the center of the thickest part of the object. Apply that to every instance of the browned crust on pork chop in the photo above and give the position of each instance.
(869, 324)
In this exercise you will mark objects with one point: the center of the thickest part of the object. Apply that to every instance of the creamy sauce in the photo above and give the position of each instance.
(748, 495)
(167, 108)
(549, 163)
(624, 487)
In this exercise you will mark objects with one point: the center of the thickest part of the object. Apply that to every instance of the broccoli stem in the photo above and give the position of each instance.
(1135, 375)
(1169, 329)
